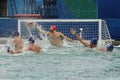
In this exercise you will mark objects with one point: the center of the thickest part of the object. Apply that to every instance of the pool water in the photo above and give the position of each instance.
(61, 63)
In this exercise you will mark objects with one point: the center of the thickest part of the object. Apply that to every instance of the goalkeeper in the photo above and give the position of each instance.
(54, 36)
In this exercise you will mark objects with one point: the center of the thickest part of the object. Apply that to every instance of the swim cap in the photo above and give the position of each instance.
(8, 47)
(109, 47)
(31, 40)
(94, 41)
(53, 27)
(15, 33)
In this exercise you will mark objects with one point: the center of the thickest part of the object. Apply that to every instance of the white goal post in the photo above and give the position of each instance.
(91, 28)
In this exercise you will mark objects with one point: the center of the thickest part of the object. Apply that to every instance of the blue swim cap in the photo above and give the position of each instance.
(94, 41)
(109, 47)
(31, 40)
(8, 47)
(15, 33)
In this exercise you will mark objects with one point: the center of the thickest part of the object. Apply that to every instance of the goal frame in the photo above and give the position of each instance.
(67, 20)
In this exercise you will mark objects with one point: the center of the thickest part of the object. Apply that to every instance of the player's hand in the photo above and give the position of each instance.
(73, 31)
(31, 24)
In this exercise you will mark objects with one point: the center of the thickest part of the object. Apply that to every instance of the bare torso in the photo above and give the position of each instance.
(18, 43)
(56, 38)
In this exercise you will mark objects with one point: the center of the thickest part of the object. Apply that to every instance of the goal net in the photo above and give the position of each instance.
(87, 28)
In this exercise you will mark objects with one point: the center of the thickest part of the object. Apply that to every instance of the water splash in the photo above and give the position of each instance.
(65, 43)
(44, 43)
(45, 39)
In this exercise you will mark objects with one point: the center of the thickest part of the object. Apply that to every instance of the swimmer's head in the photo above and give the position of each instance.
(109, 47)
(52, 28)
(15, 33)
(94, 41)
(31, 40)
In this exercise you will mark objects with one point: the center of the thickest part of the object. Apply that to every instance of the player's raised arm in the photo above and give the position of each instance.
(38, 27)
(85, 43)
(67, 38)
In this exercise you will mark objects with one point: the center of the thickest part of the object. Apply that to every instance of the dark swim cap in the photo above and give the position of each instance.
(31, 40)
(15, 33)
(94, 41)
(109, 47)
(53, 27)
(7, 47)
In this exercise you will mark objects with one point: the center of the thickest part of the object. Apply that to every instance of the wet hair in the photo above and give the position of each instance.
(109, 47)
(31, 40)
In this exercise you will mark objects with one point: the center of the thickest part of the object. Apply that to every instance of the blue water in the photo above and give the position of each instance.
(61, 63)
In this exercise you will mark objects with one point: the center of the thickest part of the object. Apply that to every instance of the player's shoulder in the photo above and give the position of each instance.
(59, 32)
